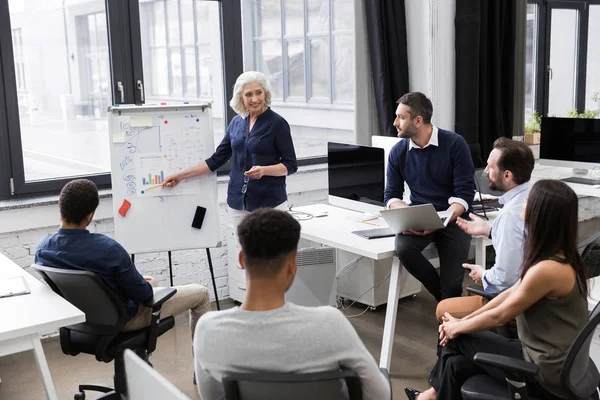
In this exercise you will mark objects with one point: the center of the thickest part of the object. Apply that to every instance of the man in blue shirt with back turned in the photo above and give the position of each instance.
(437, 166)
(74, 247)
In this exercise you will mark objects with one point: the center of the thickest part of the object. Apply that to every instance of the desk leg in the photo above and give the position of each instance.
(390, 315)
(40, 358)
(480, 251)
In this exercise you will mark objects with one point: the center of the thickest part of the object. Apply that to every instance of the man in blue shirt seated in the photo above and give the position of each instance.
(509, 168)
(437, 166)
(74, 247)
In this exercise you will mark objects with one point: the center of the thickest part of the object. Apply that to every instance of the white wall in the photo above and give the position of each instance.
(22, 228)
(431, 55)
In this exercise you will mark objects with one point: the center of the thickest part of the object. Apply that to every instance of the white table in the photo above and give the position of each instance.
(335, 230)
(24, 318)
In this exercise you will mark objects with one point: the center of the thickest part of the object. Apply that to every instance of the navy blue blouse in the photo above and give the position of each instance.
(269, 143)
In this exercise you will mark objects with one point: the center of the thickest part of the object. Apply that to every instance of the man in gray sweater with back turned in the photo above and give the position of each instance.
(266, 333)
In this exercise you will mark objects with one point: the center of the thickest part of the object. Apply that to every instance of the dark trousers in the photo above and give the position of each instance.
(453, 248)
(455, 364)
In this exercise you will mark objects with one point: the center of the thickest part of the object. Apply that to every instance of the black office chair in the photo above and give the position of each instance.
(579, 376)
(105, 316)
(329, 385)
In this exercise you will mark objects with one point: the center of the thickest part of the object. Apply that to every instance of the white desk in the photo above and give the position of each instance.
(25, 318)
(335, 230)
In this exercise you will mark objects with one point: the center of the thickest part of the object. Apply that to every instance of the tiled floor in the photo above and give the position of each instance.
(413, 356)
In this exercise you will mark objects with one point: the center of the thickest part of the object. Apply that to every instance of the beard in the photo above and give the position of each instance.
(496, 186)
(408, 133)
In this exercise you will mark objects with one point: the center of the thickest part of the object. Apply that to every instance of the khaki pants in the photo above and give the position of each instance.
(192, 297)
(459, 307)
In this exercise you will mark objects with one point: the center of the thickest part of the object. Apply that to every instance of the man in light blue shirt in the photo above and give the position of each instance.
(509, 168)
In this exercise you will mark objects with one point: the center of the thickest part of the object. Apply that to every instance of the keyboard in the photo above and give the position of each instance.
(582, 181)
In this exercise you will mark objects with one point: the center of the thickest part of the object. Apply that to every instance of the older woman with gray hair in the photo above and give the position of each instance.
(259, 143)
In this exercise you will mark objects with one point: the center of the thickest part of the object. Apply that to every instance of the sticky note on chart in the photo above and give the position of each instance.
(140, 121)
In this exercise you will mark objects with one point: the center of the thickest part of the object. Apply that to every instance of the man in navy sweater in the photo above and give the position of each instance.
(437, 166)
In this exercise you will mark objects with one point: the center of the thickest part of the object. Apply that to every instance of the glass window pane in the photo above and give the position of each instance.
(343, 15)
(268, 61)
(190, 72)
(202, 21)
(159, 32)
(563, 61)
(176, 73)
(267, 18)
(294, 17)
(200, 77)
(173, 21)
(343, 67)
(318, 15)
(320, 73)
(205, 61)
(295, 51)
(592, 87)
(62, 106)
(160, 81)
(531, 41)
(187, 22)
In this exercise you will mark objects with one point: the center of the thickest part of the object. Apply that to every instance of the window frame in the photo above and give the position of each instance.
(542, 75)
(125, 54)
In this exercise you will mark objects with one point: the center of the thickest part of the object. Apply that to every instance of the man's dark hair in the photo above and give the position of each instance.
(77, 199)
(516, 157)
(419, 105)
(267, 237)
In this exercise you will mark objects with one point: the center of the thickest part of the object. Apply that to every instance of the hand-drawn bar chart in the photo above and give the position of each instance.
(154, 179)
(151, 171)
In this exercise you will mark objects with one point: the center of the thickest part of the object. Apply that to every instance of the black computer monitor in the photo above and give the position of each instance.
(356, 172)
(570, 142)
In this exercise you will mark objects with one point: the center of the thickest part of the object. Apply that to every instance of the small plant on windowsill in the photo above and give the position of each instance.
(532, 128)
(585, 114)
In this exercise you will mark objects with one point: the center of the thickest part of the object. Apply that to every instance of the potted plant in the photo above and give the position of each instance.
(532, 128)
(585, 114)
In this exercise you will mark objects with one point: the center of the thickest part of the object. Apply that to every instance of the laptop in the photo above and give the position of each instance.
(419, 218)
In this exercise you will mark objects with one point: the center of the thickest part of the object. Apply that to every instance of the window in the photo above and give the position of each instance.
(561, 52)
(181, 51)
(63, 88)
(306, 50)
(72, 59)
(592, 89)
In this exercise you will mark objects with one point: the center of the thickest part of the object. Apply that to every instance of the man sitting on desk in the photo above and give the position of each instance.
(74, 247)
(438, 168)
(266, 333)
(509, 168)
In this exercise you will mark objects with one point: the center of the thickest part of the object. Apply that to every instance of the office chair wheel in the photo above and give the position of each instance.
(79, 396)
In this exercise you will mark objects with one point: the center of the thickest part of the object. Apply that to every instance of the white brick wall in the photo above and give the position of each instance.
(189, 266)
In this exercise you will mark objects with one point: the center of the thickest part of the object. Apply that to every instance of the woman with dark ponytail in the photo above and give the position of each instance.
(549, 303)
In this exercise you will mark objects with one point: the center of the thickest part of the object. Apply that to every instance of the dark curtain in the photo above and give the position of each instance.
(386, 31)
(485, 70)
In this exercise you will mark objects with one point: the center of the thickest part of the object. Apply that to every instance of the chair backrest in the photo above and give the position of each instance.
(329, 385)
(104, 311)
(579, 373)
(144, 383)
(590, 253)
